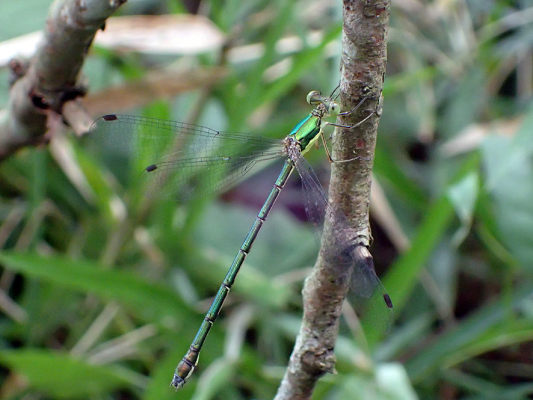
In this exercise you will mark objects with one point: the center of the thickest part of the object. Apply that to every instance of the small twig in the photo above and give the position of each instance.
(51, 78)
(363, 69)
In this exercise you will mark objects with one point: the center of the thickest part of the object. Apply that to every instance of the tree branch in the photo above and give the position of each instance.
(362, 72)
(363, 65)
(52, 76)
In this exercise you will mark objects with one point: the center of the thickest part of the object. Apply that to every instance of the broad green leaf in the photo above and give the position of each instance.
(456, 341)
(402, 278)
(60, 375)
(509, 168)
(150, 300)
(463, 196)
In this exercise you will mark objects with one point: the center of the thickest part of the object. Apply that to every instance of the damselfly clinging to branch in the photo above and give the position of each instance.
(172, 156)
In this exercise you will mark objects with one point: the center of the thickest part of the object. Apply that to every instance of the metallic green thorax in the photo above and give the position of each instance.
(308, 129)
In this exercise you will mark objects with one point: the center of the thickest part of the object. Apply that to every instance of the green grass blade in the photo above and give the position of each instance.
(146, 299)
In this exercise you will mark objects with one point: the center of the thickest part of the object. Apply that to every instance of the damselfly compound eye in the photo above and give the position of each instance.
(333, 108)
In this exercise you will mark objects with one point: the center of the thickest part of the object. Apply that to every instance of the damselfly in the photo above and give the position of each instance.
(175, 156)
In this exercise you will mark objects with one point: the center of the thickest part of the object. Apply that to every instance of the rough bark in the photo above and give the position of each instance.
(362, 72)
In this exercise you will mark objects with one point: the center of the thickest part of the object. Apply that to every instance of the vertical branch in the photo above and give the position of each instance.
(362, 71)
(363, 63)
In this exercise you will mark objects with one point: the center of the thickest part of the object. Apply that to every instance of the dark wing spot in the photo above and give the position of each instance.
(110, 117)
(388, 301)
(151, 168)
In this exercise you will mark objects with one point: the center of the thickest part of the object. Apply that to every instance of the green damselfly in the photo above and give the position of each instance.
(172, 156)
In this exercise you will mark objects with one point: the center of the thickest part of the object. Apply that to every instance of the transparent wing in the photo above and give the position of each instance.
(369, 294)
(175, 159)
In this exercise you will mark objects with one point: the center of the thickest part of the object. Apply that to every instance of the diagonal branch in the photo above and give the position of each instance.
(362, 71)
(51, 78)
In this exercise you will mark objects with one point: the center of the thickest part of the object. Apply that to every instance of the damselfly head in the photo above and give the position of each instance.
(315, 98)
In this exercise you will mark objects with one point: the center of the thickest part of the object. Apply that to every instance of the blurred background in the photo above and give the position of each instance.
(102, 291)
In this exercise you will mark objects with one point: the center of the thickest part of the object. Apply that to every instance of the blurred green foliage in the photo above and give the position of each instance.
(102, 290)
